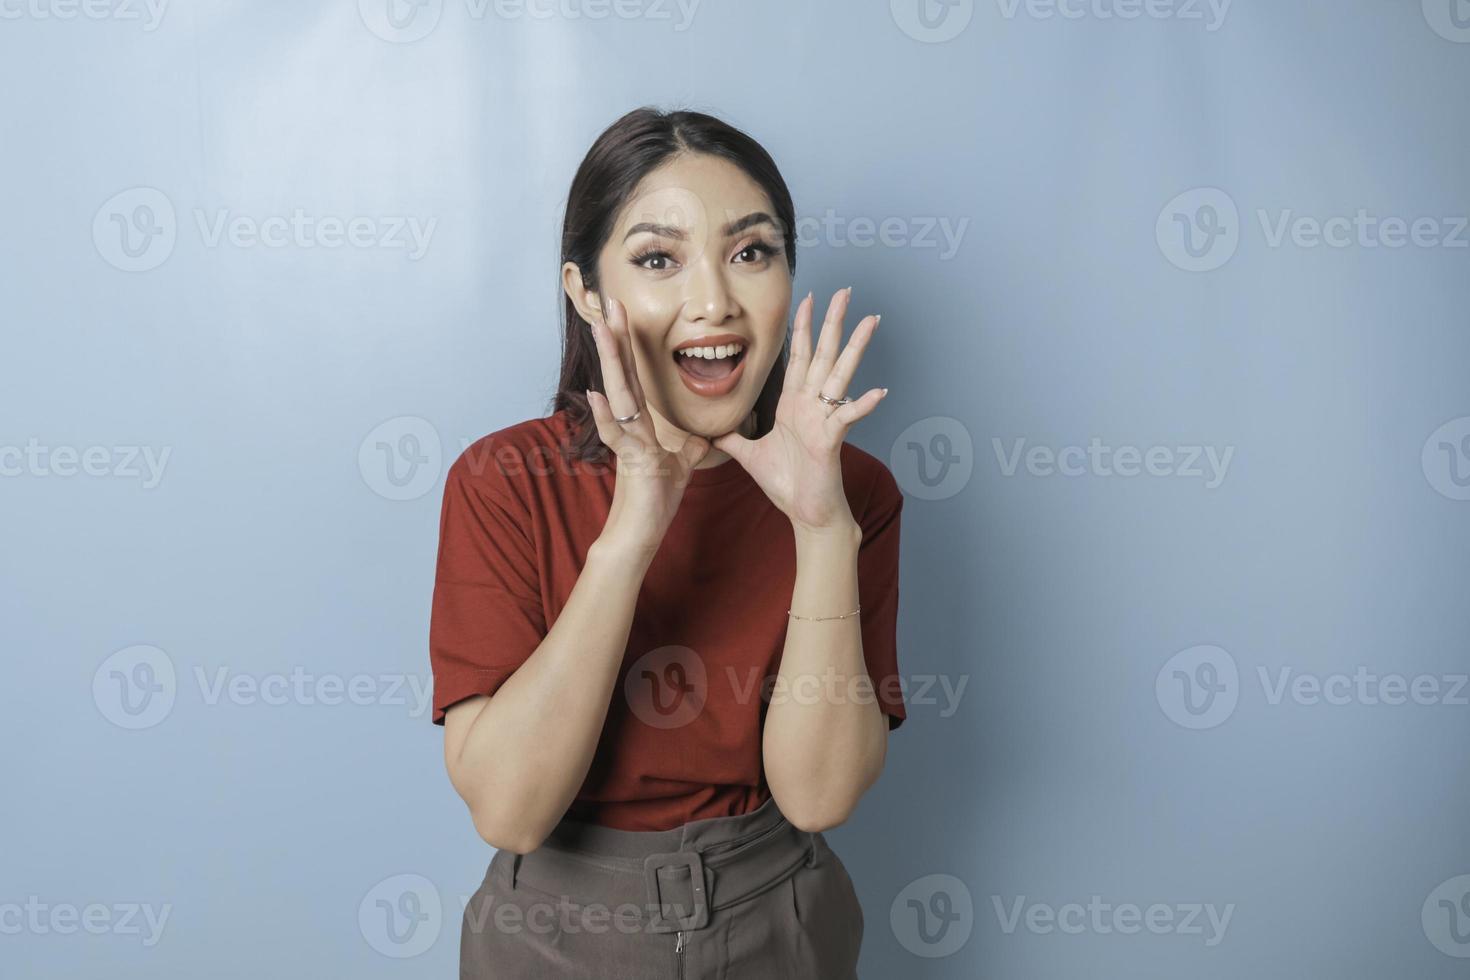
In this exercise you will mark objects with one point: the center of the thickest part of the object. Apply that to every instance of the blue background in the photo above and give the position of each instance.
(309, 397)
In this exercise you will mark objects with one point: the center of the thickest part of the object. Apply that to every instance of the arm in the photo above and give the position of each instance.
(519, 757)
(825, 737)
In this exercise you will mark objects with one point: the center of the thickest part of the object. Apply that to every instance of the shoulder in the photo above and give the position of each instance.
(501, 461)
(870, 484)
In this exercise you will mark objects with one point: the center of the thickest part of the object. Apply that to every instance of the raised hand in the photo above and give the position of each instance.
(650, 479)
(798, 463)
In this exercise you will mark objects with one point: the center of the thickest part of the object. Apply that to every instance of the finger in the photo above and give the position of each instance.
(618, 319)
(835, 384)
(608, 430)
(737, 446)
(695, 448)
(826, 351)
(623, 338)
(615, 386)
(801, 346)
(842, 419)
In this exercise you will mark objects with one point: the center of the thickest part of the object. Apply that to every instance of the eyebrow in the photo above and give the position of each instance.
(669, 231)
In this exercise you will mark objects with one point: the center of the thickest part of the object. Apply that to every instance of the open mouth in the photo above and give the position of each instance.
(711, 366)
(710, 363)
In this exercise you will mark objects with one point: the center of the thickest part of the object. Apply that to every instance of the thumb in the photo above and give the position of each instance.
(695, 449)
(736, 445)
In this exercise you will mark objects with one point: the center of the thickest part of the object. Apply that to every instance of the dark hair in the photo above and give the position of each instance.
(623, 155)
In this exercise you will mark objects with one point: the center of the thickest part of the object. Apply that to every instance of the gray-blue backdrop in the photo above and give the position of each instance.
(1175, 320)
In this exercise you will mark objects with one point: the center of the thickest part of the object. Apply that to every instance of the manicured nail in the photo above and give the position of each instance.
(877, 319)
(885, 392)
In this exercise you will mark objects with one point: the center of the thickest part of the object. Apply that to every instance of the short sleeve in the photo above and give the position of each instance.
(878, 592)
(487, 616)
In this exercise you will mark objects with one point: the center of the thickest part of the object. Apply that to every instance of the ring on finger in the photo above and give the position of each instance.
(629, 418)
(833, 401)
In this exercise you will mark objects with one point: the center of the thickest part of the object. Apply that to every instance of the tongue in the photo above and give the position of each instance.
(707, 369)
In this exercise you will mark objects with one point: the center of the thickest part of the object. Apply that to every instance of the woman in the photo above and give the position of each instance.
(661, 680)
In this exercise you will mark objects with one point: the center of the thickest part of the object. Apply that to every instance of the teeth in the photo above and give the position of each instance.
(712, 353)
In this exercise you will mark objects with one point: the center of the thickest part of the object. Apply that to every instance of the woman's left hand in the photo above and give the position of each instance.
(798, 463)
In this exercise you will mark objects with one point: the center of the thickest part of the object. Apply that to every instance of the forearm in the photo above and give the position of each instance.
(825, 736)
(527, 752)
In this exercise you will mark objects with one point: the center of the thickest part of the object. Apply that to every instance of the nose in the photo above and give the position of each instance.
(709, 300)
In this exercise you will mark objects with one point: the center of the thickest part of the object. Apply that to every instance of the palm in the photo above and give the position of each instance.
(799, 463)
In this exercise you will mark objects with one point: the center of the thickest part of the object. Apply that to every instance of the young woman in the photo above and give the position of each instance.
(661, 679)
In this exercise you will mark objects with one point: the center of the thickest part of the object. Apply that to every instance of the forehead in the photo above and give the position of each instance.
(694, 191)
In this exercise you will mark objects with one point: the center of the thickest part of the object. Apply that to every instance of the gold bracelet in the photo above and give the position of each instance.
(843, 616)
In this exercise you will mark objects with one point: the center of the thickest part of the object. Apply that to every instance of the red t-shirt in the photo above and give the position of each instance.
(682, 739)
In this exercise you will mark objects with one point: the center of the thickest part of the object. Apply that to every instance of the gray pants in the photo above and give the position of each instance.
(726, 898)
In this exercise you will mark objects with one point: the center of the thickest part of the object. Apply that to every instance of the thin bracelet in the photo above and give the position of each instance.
(843, 616)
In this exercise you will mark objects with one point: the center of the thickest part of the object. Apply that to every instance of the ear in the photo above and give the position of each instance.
(587, 302)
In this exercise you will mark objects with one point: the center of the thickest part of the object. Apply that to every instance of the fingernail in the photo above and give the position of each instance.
(849, 292)
(877, 320)
(885, 392)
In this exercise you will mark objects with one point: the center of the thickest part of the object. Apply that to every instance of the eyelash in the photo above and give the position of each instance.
(654, 252)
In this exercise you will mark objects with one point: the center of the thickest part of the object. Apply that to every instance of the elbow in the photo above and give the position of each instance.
(504, 833)
(812, 817)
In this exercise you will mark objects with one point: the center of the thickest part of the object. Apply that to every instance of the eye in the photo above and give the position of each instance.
(653, 259)
(757, 252)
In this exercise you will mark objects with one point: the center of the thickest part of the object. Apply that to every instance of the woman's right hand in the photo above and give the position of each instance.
(650, 478)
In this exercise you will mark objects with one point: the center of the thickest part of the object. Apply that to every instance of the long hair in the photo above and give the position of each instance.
(623, 155)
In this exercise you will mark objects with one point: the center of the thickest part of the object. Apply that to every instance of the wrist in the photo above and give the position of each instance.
(844, 534)
(630, 554)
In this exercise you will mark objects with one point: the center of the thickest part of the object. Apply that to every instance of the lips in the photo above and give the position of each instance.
(711, 378)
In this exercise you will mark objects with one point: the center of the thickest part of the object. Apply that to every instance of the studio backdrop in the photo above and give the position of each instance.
(1174, 299)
